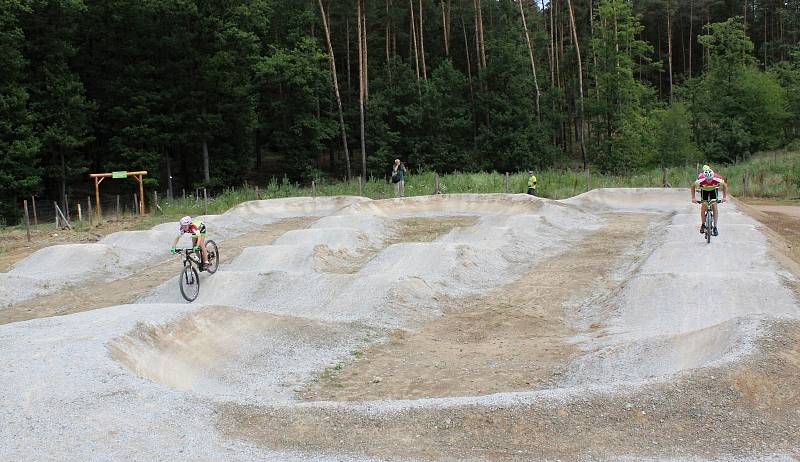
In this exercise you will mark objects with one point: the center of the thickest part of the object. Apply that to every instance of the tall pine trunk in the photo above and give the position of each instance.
(414, 38)
(206, 170)
(361, 89)
(422, 44)
(332, 60)
(533, 61)
(669, 46)
(580, 83)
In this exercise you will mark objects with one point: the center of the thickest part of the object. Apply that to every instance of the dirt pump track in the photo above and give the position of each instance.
(457, 327)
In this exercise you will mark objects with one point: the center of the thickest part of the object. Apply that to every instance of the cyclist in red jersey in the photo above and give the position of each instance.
(709, 183)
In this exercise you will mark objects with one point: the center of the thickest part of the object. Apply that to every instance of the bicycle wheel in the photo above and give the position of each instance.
(189, 283)
(213, 256)
(709, 227)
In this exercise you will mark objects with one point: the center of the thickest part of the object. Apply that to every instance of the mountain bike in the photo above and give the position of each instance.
(192, 262)
(708, 221)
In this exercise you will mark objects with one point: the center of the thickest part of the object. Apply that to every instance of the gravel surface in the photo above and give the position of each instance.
(690, 355)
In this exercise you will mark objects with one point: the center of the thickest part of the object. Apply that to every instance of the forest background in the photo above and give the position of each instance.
(215, 93)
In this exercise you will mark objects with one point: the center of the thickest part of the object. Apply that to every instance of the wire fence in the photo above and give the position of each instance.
(72, 211)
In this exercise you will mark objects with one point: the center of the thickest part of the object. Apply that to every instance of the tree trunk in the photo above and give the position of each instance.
(744, 16)
(471, 88)
(169, 178)
(361, 89)
(364, 49)
(332, 60)
(387, 35)
(669, 47)
(533, 61)
(480, 28)
(765, 36)
(446, 25)
(422, 44)
(63, 181)
(580, 83)
(206, 172)
(691, 34)
(414, 38)
(349, 85)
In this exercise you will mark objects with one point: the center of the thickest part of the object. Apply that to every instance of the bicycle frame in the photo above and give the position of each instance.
(190, 256)
(708, 220)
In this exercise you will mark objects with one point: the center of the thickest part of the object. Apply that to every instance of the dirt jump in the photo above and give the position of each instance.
(488, 327)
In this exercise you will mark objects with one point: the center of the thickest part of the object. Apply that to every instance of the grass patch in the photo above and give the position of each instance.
(770, 174)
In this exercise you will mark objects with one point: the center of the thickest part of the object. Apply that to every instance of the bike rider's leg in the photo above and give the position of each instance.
(702, 217)
(716, 215)
(202, 241)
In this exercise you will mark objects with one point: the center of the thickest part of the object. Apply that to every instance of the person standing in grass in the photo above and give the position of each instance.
(531, 183)
(399, 178)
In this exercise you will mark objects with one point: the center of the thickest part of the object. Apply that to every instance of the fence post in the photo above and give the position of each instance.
(506, 183)
(35, 218)
(55, 210)
(89, 211)
(27, 220)
(135, 204)
(117, 207)
(155, 202)
(360, 188)
(436, 189)
(313, 189)
(586, 174)
(205, 199)
(745, 185)
(787, 182)
(61, 214)
(80, 215)
(665, 178)
(66, 206)
(258, 193)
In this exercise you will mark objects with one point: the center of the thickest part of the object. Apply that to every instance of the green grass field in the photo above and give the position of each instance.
(770, 176)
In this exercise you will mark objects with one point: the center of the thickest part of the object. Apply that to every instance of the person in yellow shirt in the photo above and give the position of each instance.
(531, 183)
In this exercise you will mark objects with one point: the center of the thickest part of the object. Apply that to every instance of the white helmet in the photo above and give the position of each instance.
(186, 221)
(709, 174)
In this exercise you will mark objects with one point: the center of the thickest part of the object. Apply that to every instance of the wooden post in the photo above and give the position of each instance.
(80, 215)
(66, 204)
(155, 201)
(97, 197)
(184, 193)
(360, 188)
(27, 220)
(59, 213)
(586, 174)
(745, 184)
(55, 210)
(506, 183)
(313, 189)
(117, 207)
(33, 204)
(141, 194)
(258, 193)
(135, 204)
(89, 211)
(436, 189)
(787, 182)
(205, 199)
(665, 178)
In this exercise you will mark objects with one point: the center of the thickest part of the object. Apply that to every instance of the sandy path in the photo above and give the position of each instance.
(92, 296)
(788, 210)
(511, 339)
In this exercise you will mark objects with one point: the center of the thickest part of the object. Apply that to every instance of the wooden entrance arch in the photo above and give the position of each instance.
(99, 177)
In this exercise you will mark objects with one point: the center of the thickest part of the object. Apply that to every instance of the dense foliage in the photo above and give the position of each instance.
(215, 92)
